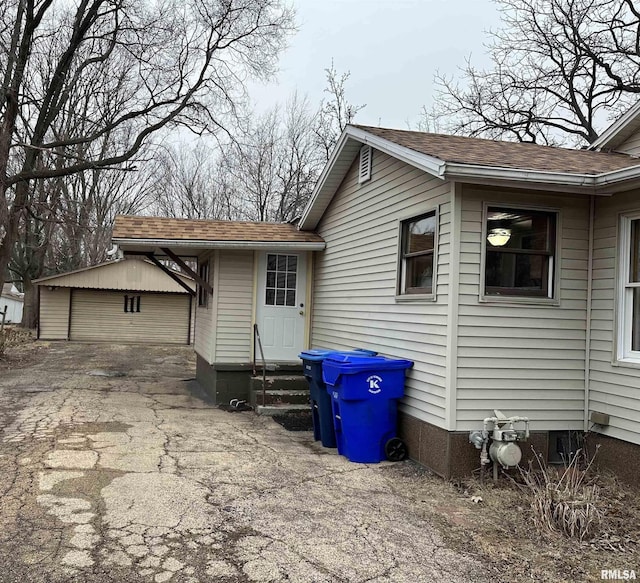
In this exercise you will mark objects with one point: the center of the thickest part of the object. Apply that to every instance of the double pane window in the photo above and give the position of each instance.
(520, 251)
(417, 254)
(629, 314)
(633, 284)
(203, 296)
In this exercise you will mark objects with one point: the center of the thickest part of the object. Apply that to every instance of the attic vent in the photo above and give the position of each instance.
(364, 173)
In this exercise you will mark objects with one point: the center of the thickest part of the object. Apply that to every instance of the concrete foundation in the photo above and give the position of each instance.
(614, 455)
(450, 455)
(226, 381)
(223, 382)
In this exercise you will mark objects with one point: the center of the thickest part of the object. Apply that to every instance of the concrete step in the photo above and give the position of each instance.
(279, 390)
(291, 396)
(281, 383)
(278, 368)
(280, 409)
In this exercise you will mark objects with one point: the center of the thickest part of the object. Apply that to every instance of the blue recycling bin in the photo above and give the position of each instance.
(364, 400)
(321, 411)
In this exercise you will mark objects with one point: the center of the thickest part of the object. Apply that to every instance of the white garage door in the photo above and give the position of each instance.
(103, 316)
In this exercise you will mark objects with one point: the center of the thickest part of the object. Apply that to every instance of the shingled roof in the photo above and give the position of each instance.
(516, 155)
(156, 228)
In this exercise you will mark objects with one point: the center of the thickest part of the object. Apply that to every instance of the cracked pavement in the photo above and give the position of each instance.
(115, 467)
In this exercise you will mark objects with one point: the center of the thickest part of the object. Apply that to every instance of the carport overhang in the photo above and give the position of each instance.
(178, 250)
(192, 248)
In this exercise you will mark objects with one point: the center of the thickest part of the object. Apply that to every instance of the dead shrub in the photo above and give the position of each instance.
(13, 336)
(565, 500)
(16, 335)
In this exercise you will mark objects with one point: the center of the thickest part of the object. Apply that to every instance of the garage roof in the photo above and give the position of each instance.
(123, 274)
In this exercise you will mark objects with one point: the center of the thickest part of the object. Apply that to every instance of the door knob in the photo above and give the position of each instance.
(302, 312)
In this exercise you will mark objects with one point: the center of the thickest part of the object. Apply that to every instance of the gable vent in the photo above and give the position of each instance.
(364, 173)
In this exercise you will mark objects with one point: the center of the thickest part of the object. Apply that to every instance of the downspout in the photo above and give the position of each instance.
(587, 352)
(38, 322)
(70, 311)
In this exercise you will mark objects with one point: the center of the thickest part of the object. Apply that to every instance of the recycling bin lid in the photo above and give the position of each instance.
(355, 363)
(320, 354)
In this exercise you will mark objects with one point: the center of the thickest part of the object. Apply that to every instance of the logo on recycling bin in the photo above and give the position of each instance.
(374, 382)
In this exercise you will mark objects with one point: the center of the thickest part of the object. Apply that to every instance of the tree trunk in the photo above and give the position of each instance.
(5, 257)
(30, 308)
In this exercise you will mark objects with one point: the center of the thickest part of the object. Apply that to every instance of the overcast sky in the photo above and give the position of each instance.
(392, 48)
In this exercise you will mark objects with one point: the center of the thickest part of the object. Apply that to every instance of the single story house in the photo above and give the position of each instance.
(11, 303)
(248, 273)
(118, 301)
(508, 272)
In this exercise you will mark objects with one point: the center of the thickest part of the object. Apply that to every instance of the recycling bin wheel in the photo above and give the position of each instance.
(395, 449)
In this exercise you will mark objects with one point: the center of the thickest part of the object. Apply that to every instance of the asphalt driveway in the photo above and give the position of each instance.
(113, 467)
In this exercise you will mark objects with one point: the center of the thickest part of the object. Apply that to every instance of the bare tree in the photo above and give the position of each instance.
(335, 112)
(266, 169)
(274, 164)
(193, 184)
(68, 224)
(560, 68)
(142, 65)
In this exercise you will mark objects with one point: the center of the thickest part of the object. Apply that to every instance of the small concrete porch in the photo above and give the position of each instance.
(278, 391)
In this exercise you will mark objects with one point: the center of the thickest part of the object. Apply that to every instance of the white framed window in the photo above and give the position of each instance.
(628, 309)
(417, 259)
(364, 166)
(519, 254)
(203, 296)
(282, 274)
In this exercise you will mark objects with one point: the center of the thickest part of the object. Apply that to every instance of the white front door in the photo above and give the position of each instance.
(281, 305)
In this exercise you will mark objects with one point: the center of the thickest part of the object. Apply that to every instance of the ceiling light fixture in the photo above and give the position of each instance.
(499, 237)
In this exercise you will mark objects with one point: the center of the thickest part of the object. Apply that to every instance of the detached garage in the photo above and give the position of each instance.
(128, 300)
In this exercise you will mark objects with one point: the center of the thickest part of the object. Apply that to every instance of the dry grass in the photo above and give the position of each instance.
(17, 347)
(566, 500)
(12, 336)
(495, 523)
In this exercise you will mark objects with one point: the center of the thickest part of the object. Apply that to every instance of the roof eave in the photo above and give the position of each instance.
(150, 244)
(603, 184)
(329, 180)
(615, 134)
(469, 172)
(74, 271)
(579, 183)
(303, 224)
(618, 180)
(18, 298)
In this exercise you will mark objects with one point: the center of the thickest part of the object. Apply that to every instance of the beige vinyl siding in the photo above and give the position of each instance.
(354, 303)
(631, 145)
(54, 313)
(234, 307)
(523, 359)
(192, 331)
(613, 389)
(127, 274)
(99, 316)
(205, 317)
